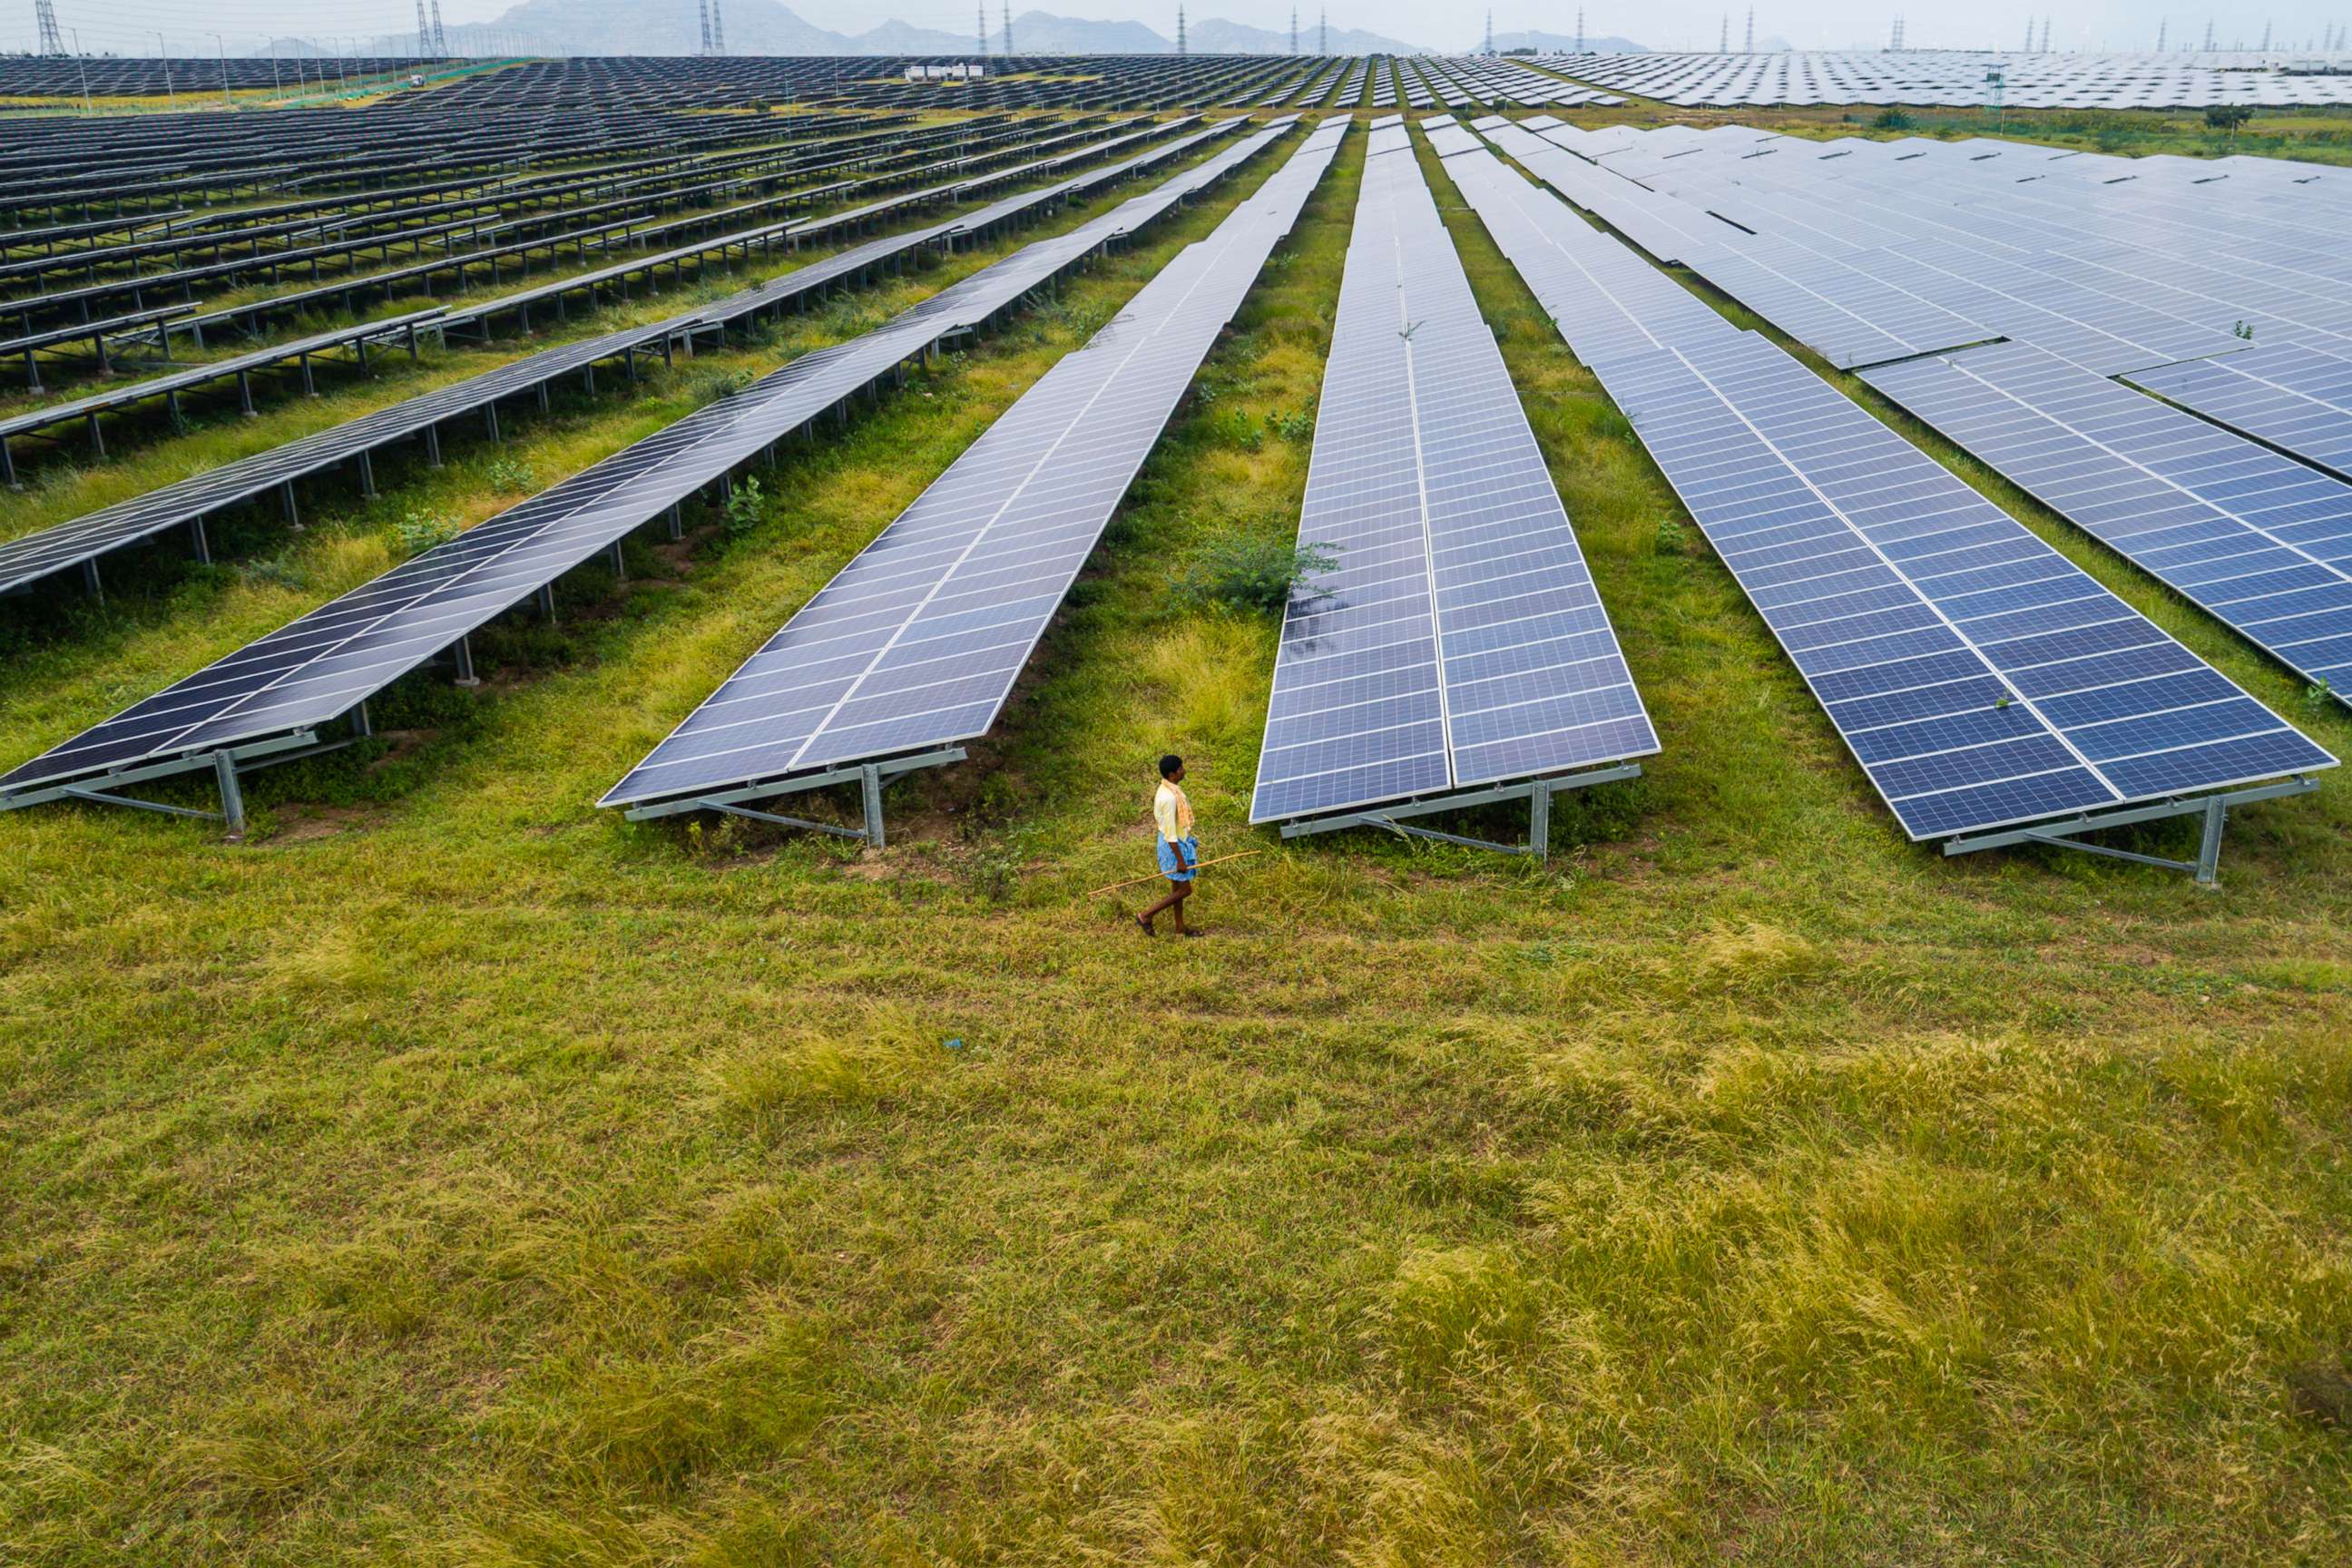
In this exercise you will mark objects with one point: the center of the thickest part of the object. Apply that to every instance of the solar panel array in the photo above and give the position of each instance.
(1956, 78)
(1980, 678)
(69, 545)
(916, 644)
(1459, 639)
(325, 664)
(2294, 396)
(2258, 541)
(2163, 270)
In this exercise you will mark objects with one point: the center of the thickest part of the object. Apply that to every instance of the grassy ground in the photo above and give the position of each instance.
(457, 1174)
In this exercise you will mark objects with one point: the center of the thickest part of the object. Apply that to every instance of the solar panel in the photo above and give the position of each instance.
(1981, 678)
(2296, 397)
(1459, 640)
(2258, 541)
(83, 541)
(916, 644)
(322, 666)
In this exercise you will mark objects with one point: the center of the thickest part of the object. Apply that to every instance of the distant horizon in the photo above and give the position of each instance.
(759, 26)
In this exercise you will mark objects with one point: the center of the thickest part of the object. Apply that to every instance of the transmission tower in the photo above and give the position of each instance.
(2045, 35)
(52, 41)
(979, 26)
(2160, 35)
(440, 39)
(1723, 37)
(1579, 29)
(1322, 30)
(704, 6)
(2266, 37)
(2028, 35)
(1294, 29)
(1008, 29)
(1896, 43)
(718, 29)
(424, 34)
(1751, 30)
(2209, 35)
(1490, 30)
(1180, 27)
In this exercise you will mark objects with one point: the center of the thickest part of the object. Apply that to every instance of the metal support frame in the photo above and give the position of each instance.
(870, 778)
(1537, 792)
(2214, 808)
(227, 763)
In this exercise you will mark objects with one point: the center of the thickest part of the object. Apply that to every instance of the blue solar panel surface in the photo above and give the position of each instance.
(1459, 640)
(2297, 398)
(323, 665)
(918, 641)
(2260, 541)
(1981, 678)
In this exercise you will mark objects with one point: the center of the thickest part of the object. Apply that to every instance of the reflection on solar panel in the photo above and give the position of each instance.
(2256, 540)
(1458, 653)
(1993, 692)
(272, 698)
(916, 644)
(2298, 399)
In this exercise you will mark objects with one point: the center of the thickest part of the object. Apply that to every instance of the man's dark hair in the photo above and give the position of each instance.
(1168, 764)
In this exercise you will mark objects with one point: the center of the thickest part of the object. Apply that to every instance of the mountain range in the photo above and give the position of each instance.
(766, 27)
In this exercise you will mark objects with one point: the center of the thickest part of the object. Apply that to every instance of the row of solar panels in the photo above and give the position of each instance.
(81, 543)
(273, 696)
(916, 644)
(1458, 652)
(2028, 79)
(1981, 678)
(1900, 256)
(473, 320)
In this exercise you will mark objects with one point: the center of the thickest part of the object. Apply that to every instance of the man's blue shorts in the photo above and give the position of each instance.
(1179, 861)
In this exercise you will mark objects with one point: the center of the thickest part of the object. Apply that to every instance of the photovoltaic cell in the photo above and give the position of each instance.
(1458, 641)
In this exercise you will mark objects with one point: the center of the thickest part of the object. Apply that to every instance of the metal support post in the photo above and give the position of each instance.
(677, 520)
(1539, 822)
(620, 566)
(2209, 849)
(464, 652)
(198, 543)
(546, 600)
(231, 799)
(870, 780)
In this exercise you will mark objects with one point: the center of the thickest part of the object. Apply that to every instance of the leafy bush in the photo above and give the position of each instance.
(1674, 538)
(719, 384)
(1240, 572)
(419, 531)
(1893, 120)
(1292, 423)
(513, 475)
(273, 571)
(2316, 697)
(744, 507)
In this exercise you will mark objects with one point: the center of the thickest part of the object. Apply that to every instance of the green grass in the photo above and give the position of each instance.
(457, 1174)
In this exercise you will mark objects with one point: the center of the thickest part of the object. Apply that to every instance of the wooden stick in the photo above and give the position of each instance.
(1156, 876)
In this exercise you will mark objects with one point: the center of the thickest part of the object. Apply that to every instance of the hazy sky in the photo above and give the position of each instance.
(126, 25)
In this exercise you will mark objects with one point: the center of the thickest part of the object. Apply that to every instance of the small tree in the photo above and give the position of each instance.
(2228, 117)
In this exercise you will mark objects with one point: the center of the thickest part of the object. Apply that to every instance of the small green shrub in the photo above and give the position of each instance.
(1240, 572)
(272, 572)
(744, 507)
(513, 476)
(1893, 120)
(419, 531)
(1292, 423)
(2316, 697)
(721, 384)
(1674, 538)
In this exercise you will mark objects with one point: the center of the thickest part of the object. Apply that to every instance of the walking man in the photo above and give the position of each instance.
(1179, 851)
